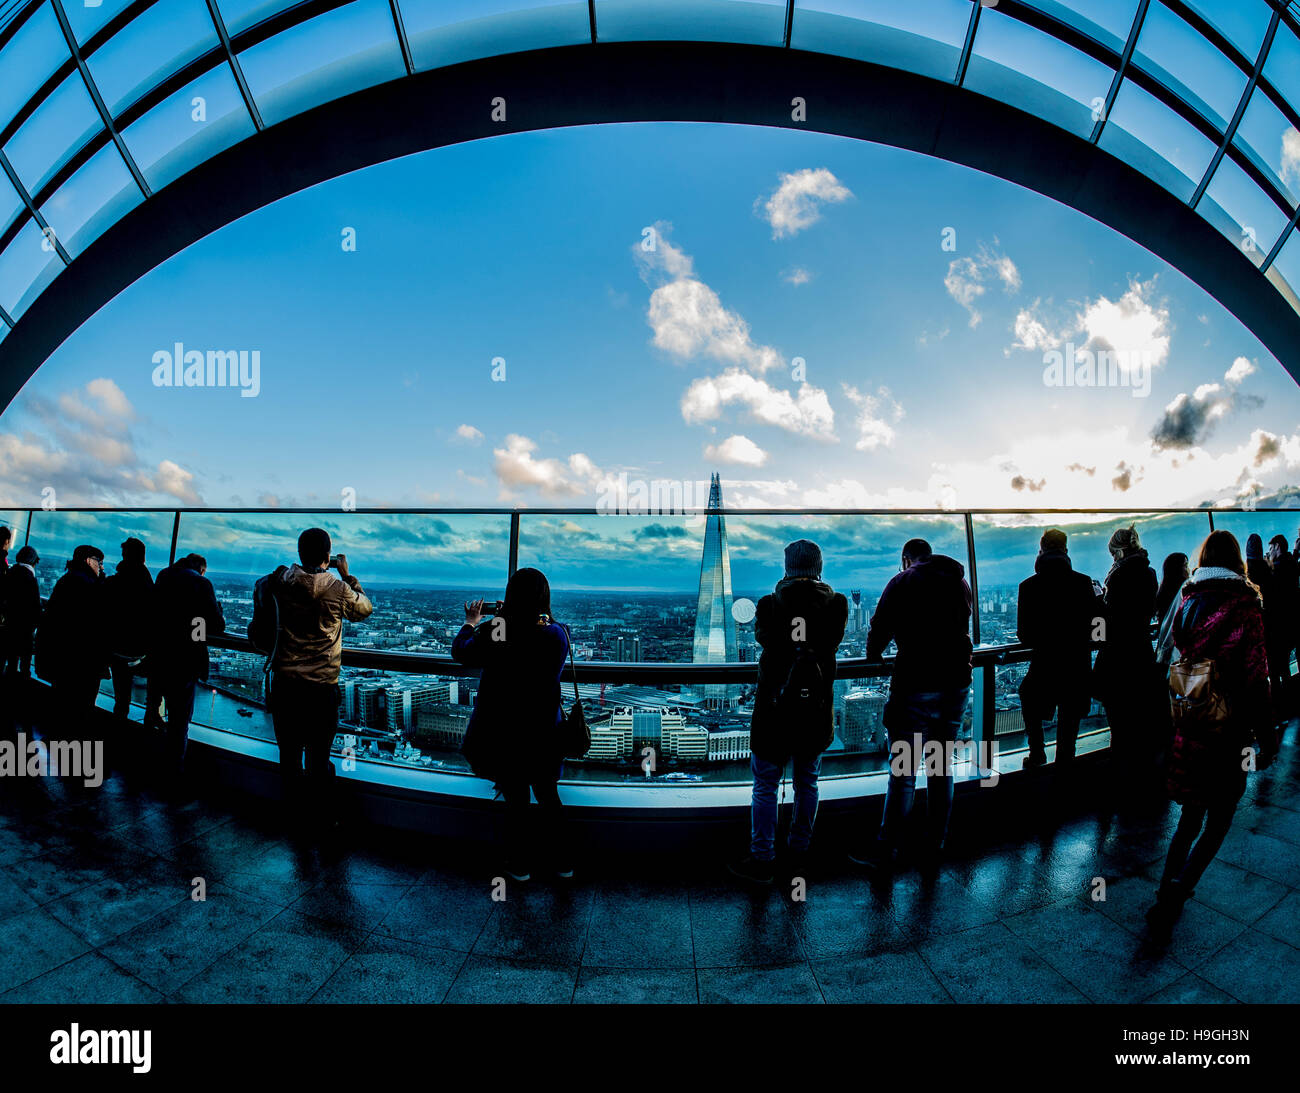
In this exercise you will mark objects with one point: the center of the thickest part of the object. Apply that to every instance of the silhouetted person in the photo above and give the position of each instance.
(1173, 574)
(1055, 613)
(20, 608)
(70, 645)
(799, 626)
(1286, 597)
(925, 610)
(513, 733)
(304, 701)
(1124, 678)
(6, 541)
(128, 599)
(1220, 620)
(185, 613)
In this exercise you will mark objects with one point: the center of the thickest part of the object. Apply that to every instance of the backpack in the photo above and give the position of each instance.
(1197, 703)
(802, 698)
(264, 627)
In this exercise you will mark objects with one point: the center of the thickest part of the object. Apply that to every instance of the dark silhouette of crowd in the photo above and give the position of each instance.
(1192, 669)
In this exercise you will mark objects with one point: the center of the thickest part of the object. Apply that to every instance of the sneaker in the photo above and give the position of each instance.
(753, 870)
(1034, 760)
(563, 870)
(515, 871)
(874, 856)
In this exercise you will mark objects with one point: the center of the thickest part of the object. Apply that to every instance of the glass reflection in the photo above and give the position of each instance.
(63, 122)
(27, 265)
(444, 32)
(925, 37)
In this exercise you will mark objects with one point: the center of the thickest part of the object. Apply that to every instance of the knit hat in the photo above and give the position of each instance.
(1124, 541)
(28, 556)
(803, 558)
(1254, 548)
(1053, 541)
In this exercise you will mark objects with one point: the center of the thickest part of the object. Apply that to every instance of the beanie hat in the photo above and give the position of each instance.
(1254, 548)
(1053, 541)
(28, 556)
(803, 559)
(1124, 541)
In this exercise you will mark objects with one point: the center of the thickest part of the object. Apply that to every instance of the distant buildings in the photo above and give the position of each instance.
(715, 625)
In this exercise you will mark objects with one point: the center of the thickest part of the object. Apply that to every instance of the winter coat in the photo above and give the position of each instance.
(1286, 599)
(1221, 620)
(1125, 662)
(1055, 610)
(180, 597)
(313, 605)
(925, 610)
(70, 644)
(512, 733)
(127, 601)
(825, 614)
(20, 604)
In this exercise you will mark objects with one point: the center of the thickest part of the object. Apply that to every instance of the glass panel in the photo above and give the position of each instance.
(1242, 211)
(58, 128)
(30, 58)
(239, 15)
(85, 17)
(92, 200)
(1145, 133)
(334, 54)
(1007, 546)
(1108, 21)
(1282, 69)
(1032, 71)
(203, 118)
(1285, 270)
(11, 205)
(444, 32)
(150, 48)
(924, 37)
(670, 588)
(1189, 65)
(13, 519)
(27, 265)
(417, 569)
(1243, 22)
(761, 21)
(1272, 143)
(55, 535)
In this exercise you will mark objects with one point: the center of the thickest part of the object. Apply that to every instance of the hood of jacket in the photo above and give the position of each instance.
(803, 594)
(304, 584)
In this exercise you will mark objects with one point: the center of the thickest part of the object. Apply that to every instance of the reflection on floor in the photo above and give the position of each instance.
(95, 906)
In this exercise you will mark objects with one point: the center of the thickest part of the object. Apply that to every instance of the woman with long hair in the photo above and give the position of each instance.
(513, 735)
(1220, 619)
(1173, 574)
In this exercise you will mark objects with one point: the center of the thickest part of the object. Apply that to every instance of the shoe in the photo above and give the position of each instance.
(563, 870)
(1034, 760)
(874, 856)
(515, 871)
(753, 870)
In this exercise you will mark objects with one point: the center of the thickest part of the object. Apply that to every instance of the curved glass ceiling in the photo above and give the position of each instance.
(103, 105)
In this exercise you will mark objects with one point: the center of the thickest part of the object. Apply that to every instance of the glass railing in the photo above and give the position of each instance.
(627, 585)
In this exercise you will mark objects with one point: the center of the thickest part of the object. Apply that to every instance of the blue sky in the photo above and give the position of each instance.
(923, 376)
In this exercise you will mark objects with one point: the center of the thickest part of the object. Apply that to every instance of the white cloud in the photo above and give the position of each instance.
(808, 413)
(1291, 157)
(1241, 368)
(877, 415)
(518, 469)
(796, 276)
(469, 433)
(738, 450)
(1032, 332)
(796, 202)
(1133, 324)
(967, 276)
(82, 448)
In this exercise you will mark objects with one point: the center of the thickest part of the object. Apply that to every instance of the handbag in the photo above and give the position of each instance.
(575, 736)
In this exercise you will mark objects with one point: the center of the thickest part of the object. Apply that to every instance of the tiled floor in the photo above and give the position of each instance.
(95, 906)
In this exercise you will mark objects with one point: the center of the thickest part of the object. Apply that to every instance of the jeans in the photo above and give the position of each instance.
(922, 718)
(1186, 862)
(177, 694)
(124, 677)
(306, 719)
(1067, 736)
(762, 824)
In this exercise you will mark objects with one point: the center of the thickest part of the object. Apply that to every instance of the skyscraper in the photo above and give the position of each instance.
(715, 626)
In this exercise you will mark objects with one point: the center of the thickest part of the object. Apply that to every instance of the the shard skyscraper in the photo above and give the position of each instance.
(715, 625)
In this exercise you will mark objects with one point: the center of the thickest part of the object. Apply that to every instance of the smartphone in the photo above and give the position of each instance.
(333, 562)
(491, 605)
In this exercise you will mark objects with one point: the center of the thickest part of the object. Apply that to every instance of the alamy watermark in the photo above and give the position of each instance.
(1078, 367)
(181, 367)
